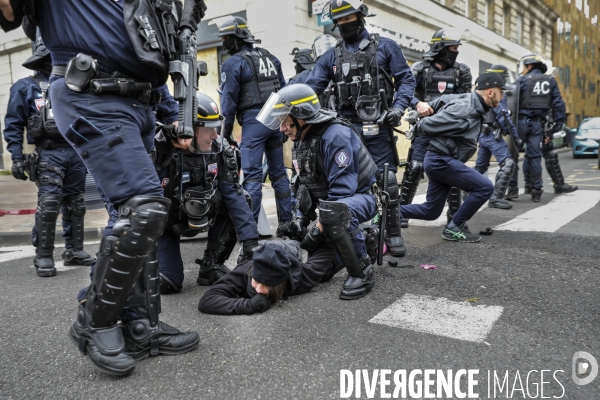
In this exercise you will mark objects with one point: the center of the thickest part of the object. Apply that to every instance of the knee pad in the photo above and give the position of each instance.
(76, 204)
(392, 186)
(551, 156)
(49, 206)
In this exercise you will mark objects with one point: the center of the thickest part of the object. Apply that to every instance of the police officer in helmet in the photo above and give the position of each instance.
(335, 173)
(56, 168)
(539, 98)
(249, 77)
(304, 61)
(361, 65)
(439, 73)
(202, 181)
(114, 133)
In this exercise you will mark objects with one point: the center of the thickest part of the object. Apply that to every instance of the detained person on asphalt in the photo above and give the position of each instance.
(454, 129)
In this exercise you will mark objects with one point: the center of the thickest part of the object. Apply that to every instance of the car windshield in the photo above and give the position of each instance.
(590, 125)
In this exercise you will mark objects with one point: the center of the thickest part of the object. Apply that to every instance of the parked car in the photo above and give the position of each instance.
(587, 138)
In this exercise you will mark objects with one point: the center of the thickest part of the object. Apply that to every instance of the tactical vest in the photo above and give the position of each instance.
(435, 83)
(538, 94)
(310, 166)
(41, 125)
(358, 74)
(489, 123)
(265, 79)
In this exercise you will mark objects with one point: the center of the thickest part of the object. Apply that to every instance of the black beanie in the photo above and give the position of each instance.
(271, 264)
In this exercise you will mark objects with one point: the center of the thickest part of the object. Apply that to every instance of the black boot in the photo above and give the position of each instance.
(44, 265)
(393, 234)
(77, 257)
(512, 193)
(167, 286)
(48, 207)
(73, 215)
(564, 188)
(212, 266)
(356, 287)
(536, 195)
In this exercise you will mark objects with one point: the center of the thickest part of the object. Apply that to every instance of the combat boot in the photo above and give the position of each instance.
(77, 257)
(143, 340)
(536, 195)
(356, 287)
(564, 188)
(512, 193)
(499, 203)
(167, 286)
(44, 265)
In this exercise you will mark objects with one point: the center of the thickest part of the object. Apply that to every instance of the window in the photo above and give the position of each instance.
(519, 28)
(489, 17)
(585, 46)
(576, 41)
(567, 31)
(567, 76)
(595, 20)
(532, 34)
(506, 21)
(544, 41)
(579, 4)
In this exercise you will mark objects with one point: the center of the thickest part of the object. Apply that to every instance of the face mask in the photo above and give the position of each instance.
(299, 68)
(350, 30)
(230, 44)
(447, 57)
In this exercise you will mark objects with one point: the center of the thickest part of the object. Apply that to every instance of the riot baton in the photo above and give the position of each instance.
(384, 198)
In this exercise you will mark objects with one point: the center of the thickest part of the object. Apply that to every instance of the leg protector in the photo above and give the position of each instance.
(74, 212)
(393, 237)
(212, 265)
(48, 208)
(503, 178)
(122, 255)
(410, 182)
(145, 297)
(553, 168)
(454, 202)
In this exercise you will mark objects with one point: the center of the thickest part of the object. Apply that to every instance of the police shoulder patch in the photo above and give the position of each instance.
(342, 158)
(223, 77)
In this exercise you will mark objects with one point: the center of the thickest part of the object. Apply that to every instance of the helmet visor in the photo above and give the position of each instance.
(274, 112)
(322, 44)
(461, 36)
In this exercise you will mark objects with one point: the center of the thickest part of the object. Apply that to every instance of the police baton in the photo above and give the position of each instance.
(384, 198)
(392, 137)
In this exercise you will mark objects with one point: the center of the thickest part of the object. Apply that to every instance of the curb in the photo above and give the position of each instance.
(24, 238)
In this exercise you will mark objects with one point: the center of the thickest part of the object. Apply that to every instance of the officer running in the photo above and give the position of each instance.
(497, 122)
(249, 77)
(335, 173)
(113, 134)
(539, 97)
(202, 181)
(55, 167)
(439, 73)
(361, 65)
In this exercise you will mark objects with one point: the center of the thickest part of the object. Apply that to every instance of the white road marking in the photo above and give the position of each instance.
(440, 316)
(550, 217)
(17, 252)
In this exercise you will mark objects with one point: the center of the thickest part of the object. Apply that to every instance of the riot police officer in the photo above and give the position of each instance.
(335, 173)
(361, 66)
(113, 133)
(439, 73)
(497, 122)
(249, 77)
(202, 182)
(304, 61)
(539, 97)
(56, 168)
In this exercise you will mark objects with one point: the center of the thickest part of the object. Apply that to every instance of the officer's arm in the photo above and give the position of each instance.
(466, 79)
(231, 71)
(340, 166)
(167, 111)
(441, 101)
(321, 74)
(559, 111)
(15, 120)
(404, 81)
(414, 100)
(449, 122)
(280, 74)
(501, 112)
(228, 295)
(240, 212)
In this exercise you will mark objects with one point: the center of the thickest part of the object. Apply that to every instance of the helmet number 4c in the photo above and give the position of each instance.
(541, 88)
(266, 70)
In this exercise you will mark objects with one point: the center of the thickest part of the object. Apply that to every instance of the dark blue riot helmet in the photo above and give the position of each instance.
(303, 58)
(343, 8)
(532, 59)
(40, 59)
(236, 31)
(442, 40)
(499, 69)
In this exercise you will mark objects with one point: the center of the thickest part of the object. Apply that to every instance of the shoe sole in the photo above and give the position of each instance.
(501, 208)
(82, 264)
(164, 351)
(459, 240)
(75, 339)
(360, 296)
(397, 255)
(45, 274)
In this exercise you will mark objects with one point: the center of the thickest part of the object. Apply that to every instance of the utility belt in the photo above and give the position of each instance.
(82, 74)
(51, 144)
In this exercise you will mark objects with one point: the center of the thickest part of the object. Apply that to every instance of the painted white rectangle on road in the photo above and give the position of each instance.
(550, 217)
(440, 316)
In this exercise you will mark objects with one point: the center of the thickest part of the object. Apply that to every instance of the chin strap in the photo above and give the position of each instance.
(296, 125)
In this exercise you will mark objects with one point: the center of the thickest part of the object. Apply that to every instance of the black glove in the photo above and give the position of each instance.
(294, 229)
(249, 246)
(260, 303)
(18, 169)
(312, 240)
(518, 142)
(393, 117)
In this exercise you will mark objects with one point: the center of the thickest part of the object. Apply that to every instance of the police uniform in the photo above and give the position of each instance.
(433, 82)
(57, 170)
(539, 95)
(249, 76)
(304, 61)
(204, 190)
(360, 66)
(114, 134)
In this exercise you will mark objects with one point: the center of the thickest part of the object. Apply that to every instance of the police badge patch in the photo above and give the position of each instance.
(442, 86)
(164, 182)
(223, 77)
(295, 162)
(214, 107)
(342, 158)
(339, 3)
(212, 168)
(39, 103)
(345, 68)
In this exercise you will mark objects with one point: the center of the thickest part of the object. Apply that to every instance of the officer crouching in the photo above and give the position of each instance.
(202, 181)
(335, 172)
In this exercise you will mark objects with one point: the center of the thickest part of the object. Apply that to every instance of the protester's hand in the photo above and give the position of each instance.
(260, 303)
(412, 117)
(183, 144)
(18, 170)
(424, 109)
(312, 240)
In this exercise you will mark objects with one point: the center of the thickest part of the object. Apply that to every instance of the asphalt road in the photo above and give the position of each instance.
(542, 288)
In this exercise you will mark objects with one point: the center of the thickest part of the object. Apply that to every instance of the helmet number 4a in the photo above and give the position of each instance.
(541, 88)
(268, 69)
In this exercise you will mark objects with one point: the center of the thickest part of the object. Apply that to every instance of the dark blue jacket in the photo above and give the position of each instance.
(559, 111)
(96, 28)
(167, 111)
(25, 100)
(389, 58)
(502, 121)
(236, 71)
(299, 78)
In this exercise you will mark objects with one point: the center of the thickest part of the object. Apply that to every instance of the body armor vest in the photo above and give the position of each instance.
(265, 79)
(310, 166)
(41, 125)
(538, 93)
(435, 83)
(358, 74)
